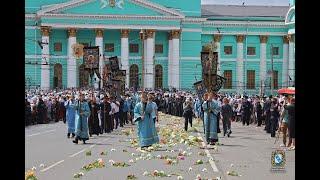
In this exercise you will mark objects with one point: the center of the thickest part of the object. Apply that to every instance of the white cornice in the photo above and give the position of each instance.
(157, 7)
(29, 16)
(31, 27)
(40, 56)
(190, 58)
(114, 17)
(191, 30)
(194, 20)
(109, 26)
(243, 24)
(244, 32)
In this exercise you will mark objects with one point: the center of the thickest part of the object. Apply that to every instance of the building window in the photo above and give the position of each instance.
(228, 76)
(134, 76)
(227, 50)
(275, 51)
(158, 76)
(134, 48)
(250, 79)
(109, 47)
(159, 48)
(85, 44)
(251, 51)
(58, 47)
(275, 79)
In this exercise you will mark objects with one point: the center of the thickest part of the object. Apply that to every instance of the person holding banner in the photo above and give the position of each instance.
(147, 133)
(82, 114)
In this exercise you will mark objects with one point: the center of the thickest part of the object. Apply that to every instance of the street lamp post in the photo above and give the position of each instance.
(272, 78)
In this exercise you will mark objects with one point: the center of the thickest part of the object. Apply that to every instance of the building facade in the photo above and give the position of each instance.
(251, 41)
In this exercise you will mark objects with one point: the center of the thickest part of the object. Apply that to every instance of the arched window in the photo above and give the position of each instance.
(83, 76)
(134, 76)
(57, 76)
(158, 76)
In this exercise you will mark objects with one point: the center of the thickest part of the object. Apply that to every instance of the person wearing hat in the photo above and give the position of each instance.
(82, 114)
(147, 133)
(70, 115)
(245, 111)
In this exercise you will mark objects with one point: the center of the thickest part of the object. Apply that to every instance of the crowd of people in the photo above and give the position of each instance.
(91, 112)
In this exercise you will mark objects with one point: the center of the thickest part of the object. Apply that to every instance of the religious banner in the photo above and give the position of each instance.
(77, 50)
(200, 88)
(209, 63)
(114, 63)
(91, 57)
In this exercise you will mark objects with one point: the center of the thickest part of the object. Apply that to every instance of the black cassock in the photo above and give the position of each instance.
(93, 120)
(42, 112)
(107, 116)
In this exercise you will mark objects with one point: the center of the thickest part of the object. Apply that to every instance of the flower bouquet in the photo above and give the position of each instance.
(120, 164)
(96, 164)
(88, 153)
(198, 162)
(78, 175)
(131, 176)
(30, 175)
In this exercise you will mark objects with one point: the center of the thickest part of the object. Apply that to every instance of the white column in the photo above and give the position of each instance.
(240, 68)
(263, 61)
(71, 65)
(170, 60)
(149, 76)
(291, 68)
(45, 69)
(144, 62)
(217, 38)
(99, 42)
(125, 53)
(285, 75)
(176, 59)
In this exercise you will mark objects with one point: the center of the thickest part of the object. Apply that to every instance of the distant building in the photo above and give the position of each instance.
(175, 34)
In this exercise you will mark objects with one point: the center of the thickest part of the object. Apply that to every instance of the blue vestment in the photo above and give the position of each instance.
(70, 115)
(82, 120)
(211, 110)
(147, 133)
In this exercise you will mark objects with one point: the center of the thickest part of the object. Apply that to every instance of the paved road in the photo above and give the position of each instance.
(248, 150)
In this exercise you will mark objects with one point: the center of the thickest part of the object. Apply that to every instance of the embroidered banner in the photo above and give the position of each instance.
(91, 57)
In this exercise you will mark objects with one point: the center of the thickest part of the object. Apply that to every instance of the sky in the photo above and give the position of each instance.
(248, 2)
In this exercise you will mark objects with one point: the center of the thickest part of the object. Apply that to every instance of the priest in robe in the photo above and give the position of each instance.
(147, 133)
(70, 106)
(211, 109)
(82, 114)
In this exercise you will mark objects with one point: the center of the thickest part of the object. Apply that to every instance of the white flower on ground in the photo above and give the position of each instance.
(41, 165)
(189, 154)
(190, 168)
(81, 173)
(162, 172)
(204, 170)
(172, 150)
(100, 160)
(33, 168)
(184, 153)
(188, 148)
(231, 165)
(131, 161)
(218, 178)
(137, 159)
(133, 154)
(145, 173)
(159, 156)
(180, 150)
(111, 161)
(198, 176)
(113, 150)
(180, 177)
(169, 175)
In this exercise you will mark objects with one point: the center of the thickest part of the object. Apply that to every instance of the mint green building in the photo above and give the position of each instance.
(251, 40)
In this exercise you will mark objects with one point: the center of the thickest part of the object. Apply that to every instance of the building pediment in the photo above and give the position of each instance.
(290, 17)
(110, 7)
